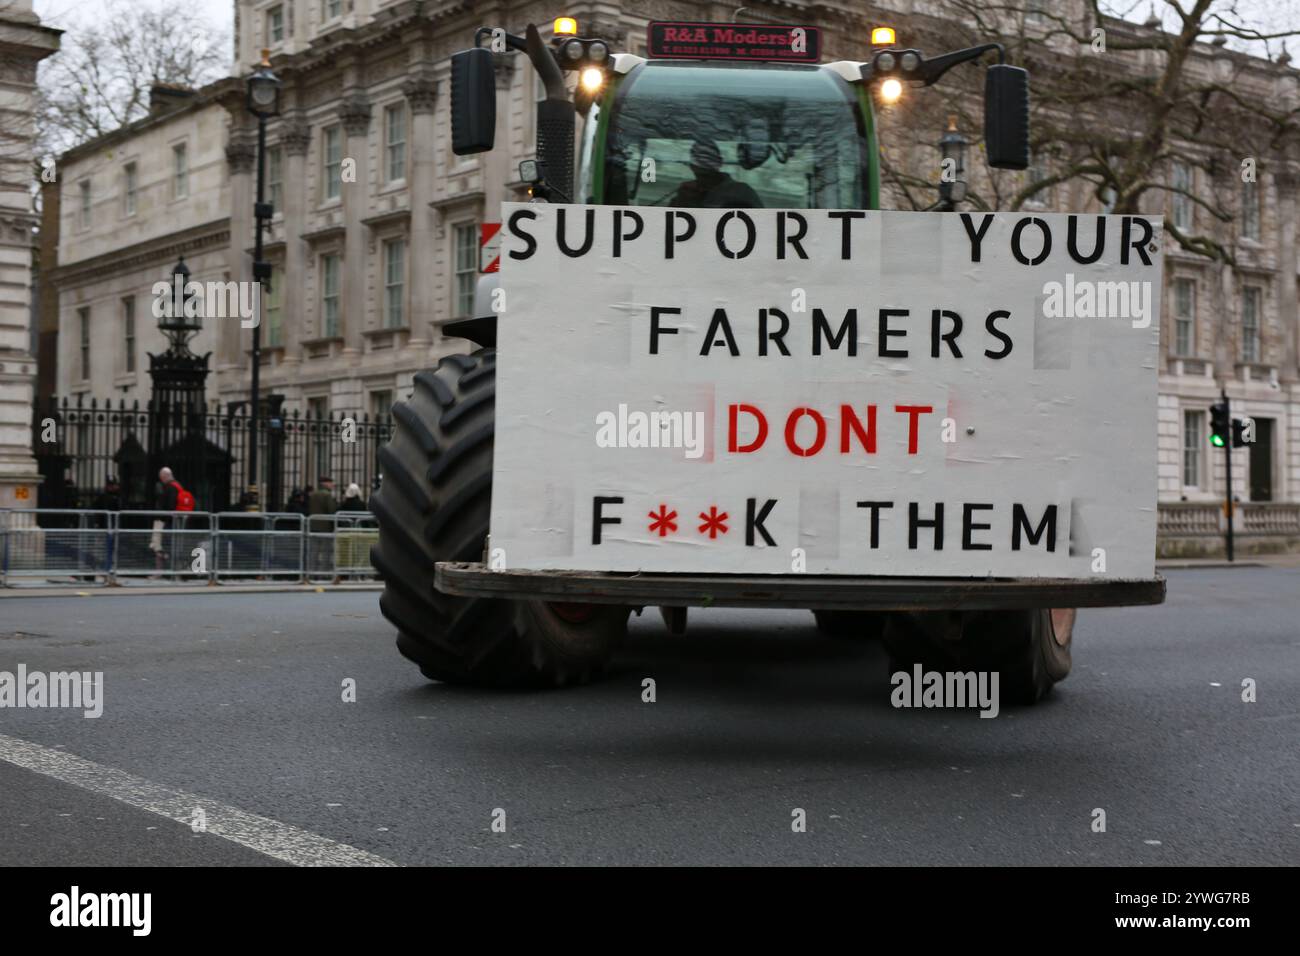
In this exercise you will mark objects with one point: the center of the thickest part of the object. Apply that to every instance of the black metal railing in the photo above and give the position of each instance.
(79, 445)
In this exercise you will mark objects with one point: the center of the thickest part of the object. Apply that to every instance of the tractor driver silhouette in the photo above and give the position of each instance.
(712, 188)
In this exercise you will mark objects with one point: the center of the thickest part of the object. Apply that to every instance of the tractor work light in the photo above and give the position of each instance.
(565, 26)
(909, 61)
(891, 90)
(882, 36)
(592, 79)
(578, 54)
(885, 62)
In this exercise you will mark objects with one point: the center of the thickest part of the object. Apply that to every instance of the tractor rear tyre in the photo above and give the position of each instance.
(434, 505)
(1030, 649)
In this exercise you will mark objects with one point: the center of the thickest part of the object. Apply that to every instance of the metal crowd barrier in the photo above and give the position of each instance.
(338, 545)
(48, 546)
(70, 544)
(163, 545)
(259, 545)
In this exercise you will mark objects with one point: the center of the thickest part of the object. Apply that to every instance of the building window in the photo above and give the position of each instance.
(83, 340)
(1193, 436)
(83, 209)
(275, 24)
(180, 171)
(1250, 309)
(275, 177)
(128, 331)
(331, 9)
(1184, 317)
(1250, 210)
(1036, 11)
(381, 404)
(130, 185)
(395, 141)
(332, 160)
(466, 277)
(394, 282)
(329, 297)
(1182, 205)
(274, 310)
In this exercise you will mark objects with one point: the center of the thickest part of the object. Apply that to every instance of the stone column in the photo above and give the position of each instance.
(241, 155)
(26, 43)
(354, 115)
(421, 97)
(295, 137)
(1287, 183)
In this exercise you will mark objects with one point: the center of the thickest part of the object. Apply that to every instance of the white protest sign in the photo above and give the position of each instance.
(836, 392)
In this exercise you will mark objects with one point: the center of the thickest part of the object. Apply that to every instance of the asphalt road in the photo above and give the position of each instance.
(234, 703)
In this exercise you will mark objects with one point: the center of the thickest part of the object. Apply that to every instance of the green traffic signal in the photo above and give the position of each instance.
(1219, 424)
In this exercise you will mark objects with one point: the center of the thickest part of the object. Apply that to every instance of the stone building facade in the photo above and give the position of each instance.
(374, 241)
(24, 42)
(131, 205)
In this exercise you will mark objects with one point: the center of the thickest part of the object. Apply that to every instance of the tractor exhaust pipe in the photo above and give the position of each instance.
(556, 117)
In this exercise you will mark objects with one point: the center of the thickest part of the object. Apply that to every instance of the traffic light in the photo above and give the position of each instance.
(1220, 427)
(1243, 432)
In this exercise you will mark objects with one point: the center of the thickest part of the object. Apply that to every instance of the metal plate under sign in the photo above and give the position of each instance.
(734, 41)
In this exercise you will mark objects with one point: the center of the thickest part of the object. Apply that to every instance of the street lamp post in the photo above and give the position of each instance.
(952, 181)
(263, 102)
(179, 381)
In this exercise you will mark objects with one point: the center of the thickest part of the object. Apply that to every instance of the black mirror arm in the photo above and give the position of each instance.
(512, 41)
(931, 70)
(542, 58)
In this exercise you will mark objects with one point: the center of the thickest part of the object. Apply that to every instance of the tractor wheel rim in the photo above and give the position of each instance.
(1063, 624)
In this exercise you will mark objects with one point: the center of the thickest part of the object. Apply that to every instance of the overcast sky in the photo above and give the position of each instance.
(83, 14)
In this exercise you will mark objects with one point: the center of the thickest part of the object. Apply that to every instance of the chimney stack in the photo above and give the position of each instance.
(165, 97)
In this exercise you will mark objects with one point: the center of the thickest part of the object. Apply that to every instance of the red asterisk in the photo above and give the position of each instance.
(663, 522)
(714, 523)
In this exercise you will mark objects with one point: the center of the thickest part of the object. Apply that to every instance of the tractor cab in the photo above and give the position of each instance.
(730, 134)
(717, 114)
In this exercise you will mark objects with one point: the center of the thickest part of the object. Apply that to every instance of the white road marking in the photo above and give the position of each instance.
(270, 837)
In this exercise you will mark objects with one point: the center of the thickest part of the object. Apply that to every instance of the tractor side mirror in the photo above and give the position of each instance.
(473, 101)
(1006, 116)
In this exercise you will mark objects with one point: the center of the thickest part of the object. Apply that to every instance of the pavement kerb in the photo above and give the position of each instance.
(48, 591)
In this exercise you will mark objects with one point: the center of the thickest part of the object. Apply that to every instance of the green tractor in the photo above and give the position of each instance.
(718, 115)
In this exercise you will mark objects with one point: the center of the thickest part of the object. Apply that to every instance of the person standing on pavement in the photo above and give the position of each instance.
(165, 497)
(322, 502)
(320, 506)
(353, 500)
(110, 499)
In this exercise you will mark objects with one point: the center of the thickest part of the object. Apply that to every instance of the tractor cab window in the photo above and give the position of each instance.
(736, 136)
